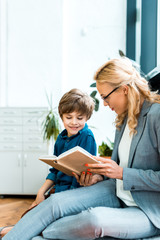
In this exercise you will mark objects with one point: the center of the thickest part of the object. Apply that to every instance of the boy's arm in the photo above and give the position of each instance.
(50, 179)
(52, 175)
(41, 193)
(52, 171)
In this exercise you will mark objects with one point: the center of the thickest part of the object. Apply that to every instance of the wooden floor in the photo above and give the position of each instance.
(12, 207)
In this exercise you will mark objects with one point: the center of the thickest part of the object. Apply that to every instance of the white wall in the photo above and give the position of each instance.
(58, 45)
(33, 51)
(93, 31)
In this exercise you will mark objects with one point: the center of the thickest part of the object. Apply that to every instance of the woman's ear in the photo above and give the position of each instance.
(125, 89)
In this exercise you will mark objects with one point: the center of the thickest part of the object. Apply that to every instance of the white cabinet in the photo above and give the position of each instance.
(10, 173)
(21, 143)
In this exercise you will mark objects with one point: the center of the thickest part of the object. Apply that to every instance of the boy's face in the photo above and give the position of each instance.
(73, 122)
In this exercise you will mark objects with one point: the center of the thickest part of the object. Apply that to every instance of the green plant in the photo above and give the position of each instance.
(51, 126)
(93, 95)
(105, 149)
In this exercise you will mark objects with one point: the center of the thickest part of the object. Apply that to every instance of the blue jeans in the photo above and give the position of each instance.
(83, 213)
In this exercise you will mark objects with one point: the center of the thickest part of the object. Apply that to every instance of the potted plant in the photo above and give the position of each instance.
(51, 126)
(93, 95)
(105, 150)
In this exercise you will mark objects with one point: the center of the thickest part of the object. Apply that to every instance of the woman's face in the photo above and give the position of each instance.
(117, 100)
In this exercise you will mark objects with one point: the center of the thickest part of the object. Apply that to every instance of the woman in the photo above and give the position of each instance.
(127, 204)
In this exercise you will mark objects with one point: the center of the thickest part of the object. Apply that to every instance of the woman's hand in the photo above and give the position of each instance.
(87, 179)
(107, 167)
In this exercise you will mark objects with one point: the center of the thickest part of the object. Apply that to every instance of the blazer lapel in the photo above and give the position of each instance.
(140, 128)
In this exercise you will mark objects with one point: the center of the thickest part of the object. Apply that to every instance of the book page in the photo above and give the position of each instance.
(73, 150)
(75, 161)
(48, 157)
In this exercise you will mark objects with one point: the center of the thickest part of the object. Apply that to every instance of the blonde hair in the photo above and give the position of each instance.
(120, 72)
(76, 100)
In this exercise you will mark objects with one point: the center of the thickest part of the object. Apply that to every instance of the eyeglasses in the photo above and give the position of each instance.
(104, 98)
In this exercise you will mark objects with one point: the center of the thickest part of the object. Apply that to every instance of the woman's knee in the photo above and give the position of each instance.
(95, 222)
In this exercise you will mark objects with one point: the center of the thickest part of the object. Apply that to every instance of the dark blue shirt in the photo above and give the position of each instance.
(85, 139)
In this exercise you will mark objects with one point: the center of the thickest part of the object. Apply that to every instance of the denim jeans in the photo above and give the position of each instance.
(123, 223)
(83, 213)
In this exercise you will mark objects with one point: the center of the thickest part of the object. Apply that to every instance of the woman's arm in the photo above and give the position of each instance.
(141, 180)
(145, 172)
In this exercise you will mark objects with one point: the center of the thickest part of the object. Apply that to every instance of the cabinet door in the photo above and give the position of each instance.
(34, 172)
(10, 173)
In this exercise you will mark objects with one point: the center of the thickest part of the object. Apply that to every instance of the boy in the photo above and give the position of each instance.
(75, 108)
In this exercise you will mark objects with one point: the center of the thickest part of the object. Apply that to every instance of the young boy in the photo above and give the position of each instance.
(75, 108)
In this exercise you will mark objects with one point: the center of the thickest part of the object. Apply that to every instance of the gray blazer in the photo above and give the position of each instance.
(142, 176)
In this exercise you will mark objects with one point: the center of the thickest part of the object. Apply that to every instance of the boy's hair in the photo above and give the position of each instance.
(76, 100)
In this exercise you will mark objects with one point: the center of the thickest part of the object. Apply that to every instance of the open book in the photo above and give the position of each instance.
(73, 160)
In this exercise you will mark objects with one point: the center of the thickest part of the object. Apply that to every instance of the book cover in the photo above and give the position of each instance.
(73, 160)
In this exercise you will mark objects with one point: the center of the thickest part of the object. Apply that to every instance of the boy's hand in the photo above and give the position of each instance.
(88, 179)
(40, 197)
(41, 193)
